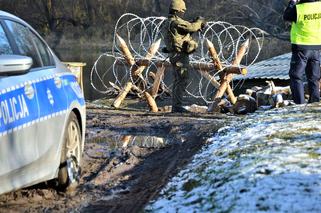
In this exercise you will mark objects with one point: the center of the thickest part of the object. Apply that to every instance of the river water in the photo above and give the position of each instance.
(89, 56)
(265, 162)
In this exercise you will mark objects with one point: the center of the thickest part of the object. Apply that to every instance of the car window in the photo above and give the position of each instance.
(44, 52)
(23, 38)
(5, 48)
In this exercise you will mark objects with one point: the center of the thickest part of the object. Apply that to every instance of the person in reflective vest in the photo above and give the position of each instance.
(305, 16)
(179, 45)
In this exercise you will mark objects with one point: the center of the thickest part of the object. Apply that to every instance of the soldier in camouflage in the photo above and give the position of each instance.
(179, 44)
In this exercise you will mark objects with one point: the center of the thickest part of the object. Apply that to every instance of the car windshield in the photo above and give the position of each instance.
(5, 48)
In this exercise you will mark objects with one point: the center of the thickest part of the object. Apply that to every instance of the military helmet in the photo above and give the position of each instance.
(178, 5)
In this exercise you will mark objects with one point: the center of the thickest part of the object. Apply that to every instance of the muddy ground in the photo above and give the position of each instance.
(119, 178)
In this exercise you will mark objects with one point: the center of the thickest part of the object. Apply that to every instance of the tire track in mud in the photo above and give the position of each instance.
(115, 179)
(188, 134)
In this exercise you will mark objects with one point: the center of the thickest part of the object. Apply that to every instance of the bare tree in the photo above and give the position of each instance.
(94, 18)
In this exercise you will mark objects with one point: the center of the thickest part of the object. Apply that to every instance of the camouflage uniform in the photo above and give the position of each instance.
(179, 44)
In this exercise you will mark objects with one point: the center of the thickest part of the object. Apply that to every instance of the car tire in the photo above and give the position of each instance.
(71, 156)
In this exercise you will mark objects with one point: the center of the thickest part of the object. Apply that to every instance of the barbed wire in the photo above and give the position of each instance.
(140, 33)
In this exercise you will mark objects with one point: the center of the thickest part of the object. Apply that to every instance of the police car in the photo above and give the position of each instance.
(42, 111)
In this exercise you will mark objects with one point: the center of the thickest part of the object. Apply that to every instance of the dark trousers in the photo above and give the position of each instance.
(308, 62)
(180, 62)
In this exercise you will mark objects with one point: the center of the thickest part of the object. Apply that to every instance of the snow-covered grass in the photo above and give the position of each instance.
(266, 162)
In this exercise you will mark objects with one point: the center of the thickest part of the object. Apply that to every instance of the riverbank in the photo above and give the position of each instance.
(268, 162)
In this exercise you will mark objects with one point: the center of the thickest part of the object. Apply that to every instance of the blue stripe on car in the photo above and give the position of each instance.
(19, 106)
(16, 109)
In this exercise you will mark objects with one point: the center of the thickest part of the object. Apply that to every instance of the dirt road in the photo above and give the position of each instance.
(119, 178)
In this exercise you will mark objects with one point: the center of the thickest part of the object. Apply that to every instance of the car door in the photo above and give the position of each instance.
(53, 105)
(51, 99)
(19, 111)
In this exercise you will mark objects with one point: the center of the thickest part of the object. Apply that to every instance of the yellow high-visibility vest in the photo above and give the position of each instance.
(307, 29)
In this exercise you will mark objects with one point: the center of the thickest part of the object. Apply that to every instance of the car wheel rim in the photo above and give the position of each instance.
(73, 140)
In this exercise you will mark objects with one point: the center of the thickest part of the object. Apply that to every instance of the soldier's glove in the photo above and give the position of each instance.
(203, 22)
(204, 26)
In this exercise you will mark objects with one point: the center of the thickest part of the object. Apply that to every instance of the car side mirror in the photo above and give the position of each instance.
(14, 64)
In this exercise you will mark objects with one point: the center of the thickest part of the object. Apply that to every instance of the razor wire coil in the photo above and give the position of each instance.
(140, 33)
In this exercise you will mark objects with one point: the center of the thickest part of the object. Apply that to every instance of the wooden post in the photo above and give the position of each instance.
(228, 78)
(125, 50)
(130, 60)
(214, 55)
(241, 53)
(151, 102)
(218, 66)
(157, 81)
(152, 75)
(122, 95)
(136, 69)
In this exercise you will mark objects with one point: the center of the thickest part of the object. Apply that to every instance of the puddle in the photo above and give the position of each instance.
(144, 141)
(108, 146)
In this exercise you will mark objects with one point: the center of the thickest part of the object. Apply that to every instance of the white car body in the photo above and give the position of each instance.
(34, 109)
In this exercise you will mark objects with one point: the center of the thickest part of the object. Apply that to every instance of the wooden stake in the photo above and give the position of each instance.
(214, 55)
(241, 53)
(151, 102)
(152, 75)
(136, 70)
(157, 81)
(122, 95)
(219, 67)
(228, 78)
(125, 50)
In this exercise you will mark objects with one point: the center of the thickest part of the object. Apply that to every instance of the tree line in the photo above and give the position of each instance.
(96, 18)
